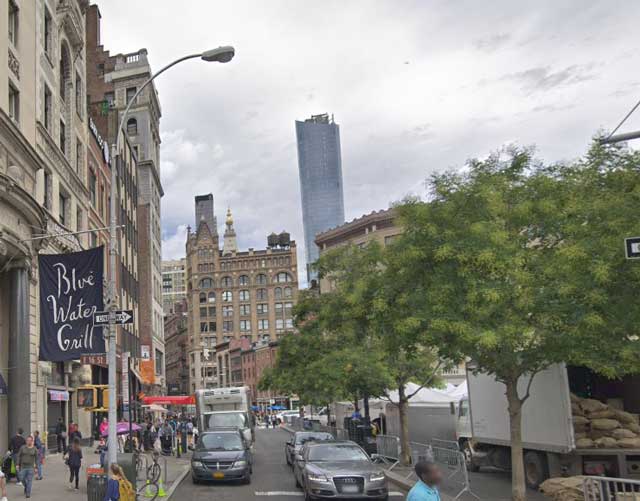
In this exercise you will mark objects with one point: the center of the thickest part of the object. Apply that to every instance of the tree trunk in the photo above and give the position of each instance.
(403, 411)
(365, 404)
(518, 487)
(328, 414)
(356, 405)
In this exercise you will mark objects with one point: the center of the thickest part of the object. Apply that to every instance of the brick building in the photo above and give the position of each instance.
(176, 347)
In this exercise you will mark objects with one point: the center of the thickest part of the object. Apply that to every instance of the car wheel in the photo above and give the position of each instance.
(307, 496)
(247, 480)
(194, 480)
(297, 481)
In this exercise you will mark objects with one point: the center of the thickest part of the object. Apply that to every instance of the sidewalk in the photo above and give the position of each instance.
(55, 485)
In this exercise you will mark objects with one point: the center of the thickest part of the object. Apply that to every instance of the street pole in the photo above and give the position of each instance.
(221, 55)
(618, 138)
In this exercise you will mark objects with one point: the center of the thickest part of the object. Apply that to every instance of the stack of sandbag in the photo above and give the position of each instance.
(563, 489)
(596, 425)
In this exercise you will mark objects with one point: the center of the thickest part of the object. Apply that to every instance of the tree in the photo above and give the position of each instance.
(519, 266)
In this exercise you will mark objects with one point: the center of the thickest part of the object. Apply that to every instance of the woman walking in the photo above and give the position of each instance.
(74, 461)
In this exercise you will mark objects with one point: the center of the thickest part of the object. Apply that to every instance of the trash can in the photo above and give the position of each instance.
(127, 462)
(96, 486)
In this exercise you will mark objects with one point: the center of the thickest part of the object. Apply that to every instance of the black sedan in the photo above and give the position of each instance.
(299, 438)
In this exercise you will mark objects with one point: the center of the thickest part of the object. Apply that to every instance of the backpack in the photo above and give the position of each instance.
(126, 491)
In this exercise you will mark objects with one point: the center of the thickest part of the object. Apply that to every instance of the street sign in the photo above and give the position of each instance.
(100, 360)
(632, 247)
(122, 317)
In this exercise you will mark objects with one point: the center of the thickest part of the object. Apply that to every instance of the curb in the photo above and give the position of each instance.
(177, 482)
(286, 428)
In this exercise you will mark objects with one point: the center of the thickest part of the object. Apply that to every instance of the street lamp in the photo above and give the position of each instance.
(220, 55)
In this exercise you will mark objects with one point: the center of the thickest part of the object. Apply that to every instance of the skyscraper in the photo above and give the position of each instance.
(320, 168)
(204, 211)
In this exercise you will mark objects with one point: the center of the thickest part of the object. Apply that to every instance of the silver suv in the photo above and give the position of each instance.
(338, 470)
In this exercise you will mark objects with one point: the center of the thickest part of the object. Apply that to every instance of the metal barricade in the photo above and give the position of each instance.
(420, 452)
(455, 468)
(388, 448)
(610, 489)
(445, 444)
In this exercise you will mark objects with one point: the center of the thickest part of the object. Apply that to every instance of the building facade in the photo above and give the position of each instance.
(204, 212)
(233, 294)
(176, 349)
(321, 191)
(174, 284)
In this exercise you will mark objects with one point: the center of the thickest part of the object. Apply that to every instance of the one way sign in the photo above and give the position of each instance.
(122, 317)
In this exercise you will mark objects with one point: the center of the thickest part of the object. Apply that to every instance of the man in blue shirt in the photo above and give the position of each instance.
(426, 488)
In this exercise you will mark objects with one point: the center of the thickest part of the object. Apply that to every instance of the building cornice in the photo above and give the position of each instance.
(356, 224)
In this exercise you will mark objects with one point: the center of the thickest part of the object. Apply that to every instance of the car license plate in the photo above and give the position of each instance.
(218, 474)
(350, 489)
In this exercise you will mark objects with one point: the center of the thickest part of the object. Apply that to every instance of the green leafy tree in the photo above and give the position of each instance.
(519, 266)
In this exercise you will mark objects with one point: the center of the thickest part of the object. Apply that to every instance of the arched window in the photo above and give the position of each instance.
(278, 293)
(288, 292)
(212, 297)
(132, 127)
(203, 297)
(206, 283)
(65, 70)
(261, 279)
(283, 277)
(243, 280)
(227, 296)
(227, 282)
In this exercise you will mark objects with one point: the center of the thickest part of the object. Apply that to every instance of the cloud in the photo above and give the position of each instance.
(173, 244)
(542, 78)
(492, 43)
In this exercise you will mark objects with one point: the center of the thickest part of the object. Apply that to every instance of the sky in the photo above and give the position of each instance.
(416, 86)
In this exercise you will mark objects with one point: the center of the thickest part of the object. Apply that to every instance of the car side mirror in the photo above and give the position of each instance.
(289, 442)
(299, 458)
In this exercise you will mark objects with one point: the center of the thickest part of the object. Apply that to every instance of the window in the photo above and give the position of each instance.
(92, 188)
(227, 311)
(212, 328)
(159, 361)
(212, 297)
(288, 307)
(203, 312)
(263, 324)
(110, 99)
(245, 325)
(277, 292)
(48, 186)
(131, 91)
(227, 282)
(245, 309)
(244, 295)
(79, 104)
(47, 108)
(227, 326)
(78, 156)
(204, 327)
(48, 23)
(132, 127)
(227, 296)
(63, 138)
(288, 323)
(206, 283)
(279, 323)
(261, 294)
(65, 71)
(243, 280)
(261, 279)
(283, 278)
(212, 311)
(262, 308)
(288, 292)
(14, 14)
(64, 207)
(14, 103)
(278, 307)
(203, 298)
(78, 219)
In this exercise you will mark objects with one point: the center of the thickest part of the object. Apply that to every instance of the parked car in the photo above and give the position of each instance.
(298, 439)
(222, 455)
(338, 470)
(284, 414)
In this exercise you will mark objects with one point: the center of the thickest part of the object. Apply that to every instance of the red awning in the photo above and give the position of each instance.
(166, 400)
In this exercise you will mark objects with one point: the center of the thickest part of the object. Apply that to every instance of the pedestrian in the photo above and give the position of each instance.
(195, 435)
(74, 462)
(104, 427)
(27, 461)
(37, 441)
(3, 487)
(16, 442)
(426, 488)
(74, 432)
(189, 433)
(61, 434)
(118, 487)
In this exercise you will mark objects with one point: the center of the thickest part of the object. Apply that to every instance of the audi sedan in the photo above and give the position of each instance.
(299, 438)
(338, 470)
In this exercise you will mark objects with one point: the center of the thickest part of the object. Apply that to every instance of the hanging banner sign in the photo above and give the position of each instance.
(125, 378)
(70, 294)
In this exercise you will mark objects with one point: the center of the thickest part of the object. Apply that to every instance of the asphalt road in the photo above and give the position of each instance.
(272, 479)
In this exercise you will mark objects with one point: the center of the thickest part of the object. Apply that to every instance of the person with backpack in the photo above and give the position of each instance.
(15, 444)
(37, 441)
(118, 487)
(74, 462)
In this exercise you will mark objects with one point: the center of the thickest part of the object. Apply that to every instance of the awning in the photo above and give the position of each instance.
(166, 400)
(58, 395)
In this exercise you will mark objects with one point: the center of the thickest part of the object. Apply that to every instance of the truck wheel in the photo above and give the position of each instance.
(535, 469)
(468, 457)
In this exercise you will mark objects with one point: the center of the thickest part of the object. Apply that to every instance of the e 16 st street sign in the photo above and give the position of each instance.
(632, 247)
(122, 317)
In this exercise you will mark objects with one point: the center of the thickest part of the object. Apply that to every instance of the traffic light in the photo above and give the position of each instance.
(103, 398)
(87, 397)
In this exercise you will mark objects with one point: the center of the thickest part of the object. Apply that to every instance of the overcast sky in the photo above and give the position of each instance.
(416, 87)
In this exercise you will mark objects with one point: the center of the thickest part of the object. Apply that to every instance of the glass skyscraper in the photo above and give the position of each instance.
(320, 168)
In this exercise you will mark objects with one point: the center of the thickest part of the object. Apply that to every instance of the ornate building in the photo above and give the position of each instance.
(233, 294)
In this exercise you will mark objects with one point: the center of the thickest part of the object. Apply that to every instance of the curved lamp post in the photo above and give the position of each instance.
(220, 55)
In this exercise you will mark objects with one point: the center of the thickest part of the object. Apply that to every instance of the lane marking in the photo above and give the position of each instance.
(301, 494)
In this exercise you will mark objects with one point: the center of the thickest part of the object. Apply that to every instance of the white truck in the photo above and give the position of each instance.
(547, 424)
(226, 408)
